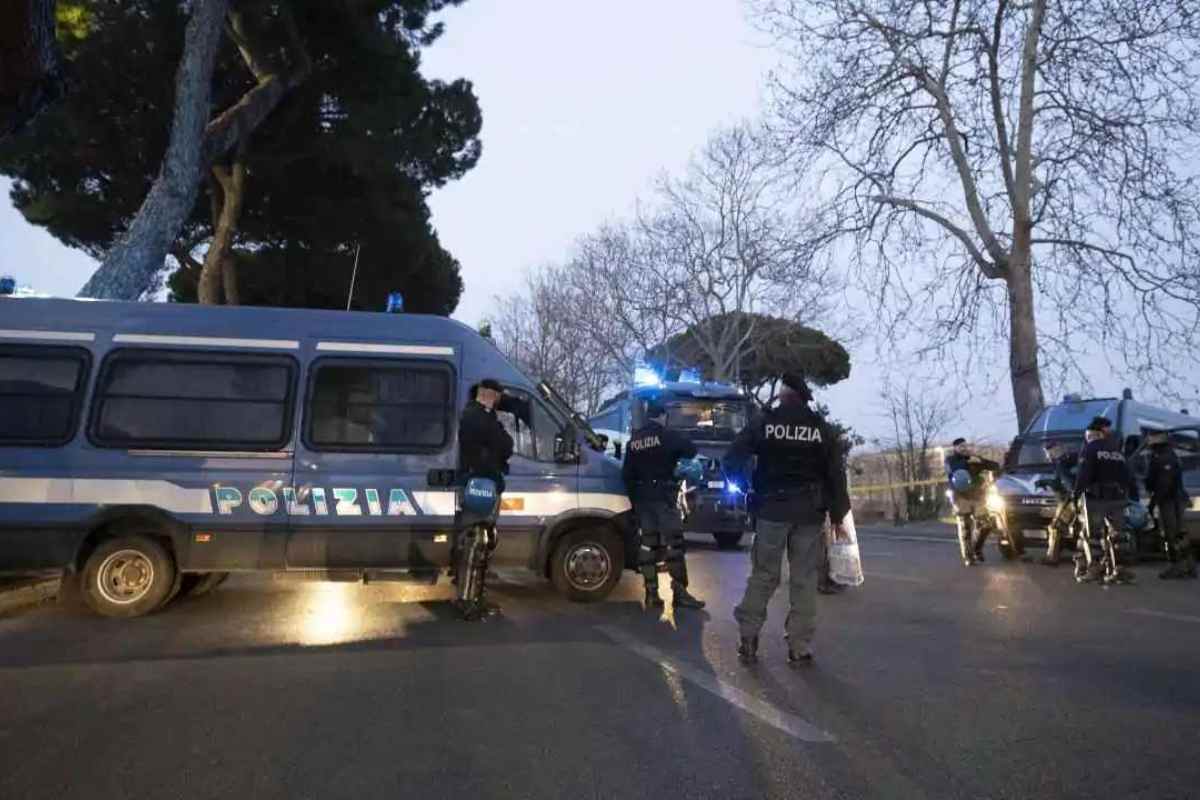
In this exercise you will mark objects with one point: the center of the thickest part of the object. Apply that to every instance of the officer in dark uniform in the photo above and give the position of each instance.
(798, 479)
(1164, 484)
(1066, 465)
(484, 448)
(1106, 481)
(967, 503)
(649, 473)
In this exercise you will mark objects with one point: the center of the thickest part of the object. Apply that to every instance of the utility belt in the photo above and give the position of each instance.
(1107, 491)
(811, 495)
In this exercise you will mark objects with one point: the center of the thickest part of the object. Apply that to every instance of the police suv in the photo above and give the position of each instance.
(711, 415)
(147, 448)
(1029, 508)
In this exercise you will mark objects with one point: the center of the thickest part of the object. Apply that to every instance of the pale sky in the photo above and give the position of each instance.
(583, 104)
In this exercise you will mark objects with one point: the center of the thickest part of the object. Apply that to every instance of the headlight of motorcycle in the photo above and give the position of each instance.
(995, 502)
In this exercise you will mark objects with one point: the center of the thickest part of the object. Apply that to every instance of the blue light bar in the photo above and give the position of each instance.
(645, 376)
(395, 303)
(8, 284)
(690, 376)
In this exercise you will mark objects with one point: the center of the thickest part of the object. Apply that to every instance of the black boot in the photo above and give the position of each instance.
(800, 656)
(682, 599)
(748, 649)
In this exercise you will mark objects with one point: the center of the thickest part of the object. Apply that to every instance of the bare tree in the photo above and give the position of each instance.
(1018, 150)
(724, 242)
(919, 416)
(537, 330)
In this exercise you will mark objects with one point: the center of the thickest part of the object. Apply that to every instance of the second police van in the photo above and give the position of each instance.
(1029, 508)
(146, 447)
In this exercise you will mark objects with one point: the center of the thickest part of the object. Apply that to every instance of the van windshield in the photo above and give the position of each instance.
(717, 418)
(1031, 451)
(1073, 416)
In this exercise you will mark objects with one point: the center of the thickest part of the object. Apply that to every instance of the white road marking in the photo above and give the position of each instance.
(891, 577)
(790, 724)
(1146, 612)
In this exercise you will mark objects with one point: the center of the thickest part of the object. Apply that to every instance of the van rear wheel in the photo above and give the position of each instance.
(587, 564)
(128, 576)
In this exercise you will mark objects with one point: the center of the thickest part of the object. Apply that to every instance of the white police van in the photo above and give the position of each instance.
(1029, 508)
(148, 447)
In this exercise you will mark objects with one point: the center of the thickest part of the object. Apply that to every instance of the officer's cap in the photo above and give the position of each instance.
(1156, 437)
(958, 441)
(1099, 424)
(654, 409)
(490, 383)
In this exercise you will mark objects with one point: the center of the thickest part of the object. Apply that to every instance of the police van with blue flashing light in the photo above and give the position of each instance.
(1030, 509)
(710, 414)
(149, 448)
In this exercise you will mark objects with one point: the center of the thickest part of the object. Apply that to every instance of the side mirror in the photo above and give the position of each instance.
(566, 446)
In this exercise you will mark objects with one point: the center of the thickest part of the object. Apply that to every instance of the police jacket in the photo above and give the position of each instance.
(973, 464)
(484, 447)
(650, 459)
(1164, 480)
(1103, 472)
(799, 474)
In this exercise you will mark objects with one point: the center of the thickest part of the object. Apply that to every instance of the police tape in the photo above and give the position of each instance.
(884, 487)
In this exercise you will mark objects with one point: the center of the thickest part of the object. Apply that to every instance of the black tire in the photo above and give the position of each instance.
(729, 540)
(198, 584)
(587, 563)
(128, 576)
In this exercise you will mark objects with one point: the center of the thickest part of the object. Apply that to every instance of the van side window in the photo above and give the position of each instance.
(532, 439)
(379, 406)
(180, 400)
(41, 392)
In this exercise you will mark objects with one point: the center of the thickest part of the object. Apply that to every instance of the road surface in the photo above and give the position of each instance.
(932, 680)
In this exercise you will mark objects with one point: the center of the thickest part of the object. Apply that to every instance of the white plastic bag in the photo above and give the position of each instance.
(845, 562)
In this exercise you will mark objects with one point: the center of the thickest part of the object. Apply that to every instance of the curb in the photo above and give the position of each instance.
(28, 593)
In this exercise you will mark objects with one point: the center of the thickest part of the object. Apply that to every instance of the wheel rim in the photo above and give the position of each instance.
(588, 566)
(125, 577)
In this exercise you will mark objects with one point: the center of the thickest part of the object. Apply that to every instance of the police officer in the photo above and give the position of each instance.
(1164, 484)
(967, 503)
(798, 479)
(1066, 465)
(484, 448)
(1106, 481)
(649, 473)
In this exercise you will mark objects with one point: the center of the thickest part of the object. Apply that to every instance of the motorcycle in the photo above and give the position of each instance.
(975, 524)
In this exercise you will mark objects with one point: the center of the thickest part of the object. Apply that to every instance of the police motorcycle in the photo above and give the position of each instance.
(976, 521)
(480, 510)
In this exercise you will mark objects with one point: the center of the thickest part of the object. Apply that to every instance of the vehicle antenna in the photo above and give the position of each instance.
(353, 275)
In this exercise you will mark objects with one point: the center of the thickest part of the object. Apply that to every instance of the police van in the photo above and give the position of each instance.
(1029, 508)
(711, 415)
(147, 448)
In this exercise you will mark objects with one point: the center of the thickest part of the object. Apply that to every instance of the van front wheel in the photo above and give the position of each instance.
(128, 577)
(587, 564)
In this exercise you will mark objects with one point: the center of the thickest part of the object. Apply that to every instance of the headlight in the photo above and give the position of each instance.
(732, 487)
(995, 502)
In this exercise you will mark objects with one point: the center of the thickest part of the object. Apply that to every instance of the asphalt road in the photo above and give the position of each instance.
(932, 680)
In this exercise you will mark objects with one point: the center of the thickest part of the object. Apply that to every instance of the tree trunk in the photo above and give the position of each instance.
(133, 261)
(218, 281)
(31, 68)
(1023, 347)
